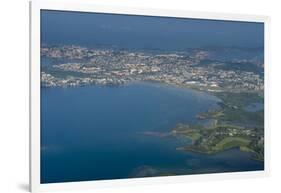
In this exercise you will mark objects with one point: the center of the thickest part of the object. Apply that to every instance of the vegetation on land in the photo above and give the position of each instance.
(231, 127)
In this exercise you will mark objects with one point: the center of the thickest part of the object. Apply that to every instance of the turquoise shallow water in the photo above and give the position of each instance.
(97, 132)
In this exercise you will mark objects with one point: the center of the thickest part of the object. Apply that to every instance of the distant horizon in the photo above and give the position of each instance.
(118, 47)
(143, 96)
(146, 32)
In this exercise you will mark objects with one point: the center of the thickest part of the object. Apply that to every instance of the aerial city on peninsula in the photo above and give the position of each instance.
(237, 82)
(128, 96)
(115, 67)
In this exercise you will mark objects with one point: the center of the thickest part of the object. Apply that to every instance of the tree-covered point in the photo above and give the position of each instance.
(230, 126)
(232, 109)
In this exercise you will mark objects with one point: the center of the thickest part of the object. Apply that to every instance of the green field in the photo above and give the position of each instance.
(231, 142)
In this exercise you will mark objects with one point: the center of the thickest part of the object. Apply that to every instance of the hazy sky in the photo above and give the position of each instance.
(124, 31)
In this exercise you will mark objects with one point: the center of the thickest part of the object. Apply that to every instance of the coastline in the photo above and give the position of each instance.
(199, 116)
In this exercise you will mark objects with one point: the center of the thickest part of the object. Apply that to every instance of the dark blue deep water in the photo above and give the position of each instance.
(99, 132)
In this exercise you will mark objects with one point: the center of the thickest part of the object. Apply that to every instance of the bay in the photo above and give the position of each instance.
(99, 132)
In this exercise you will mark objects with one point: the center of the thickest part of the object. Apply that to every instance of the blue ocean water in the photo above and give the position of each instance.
(98, 132)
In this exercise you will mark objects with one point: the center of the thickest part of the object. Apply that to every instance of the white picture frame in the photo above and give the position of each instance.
(36, 6)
